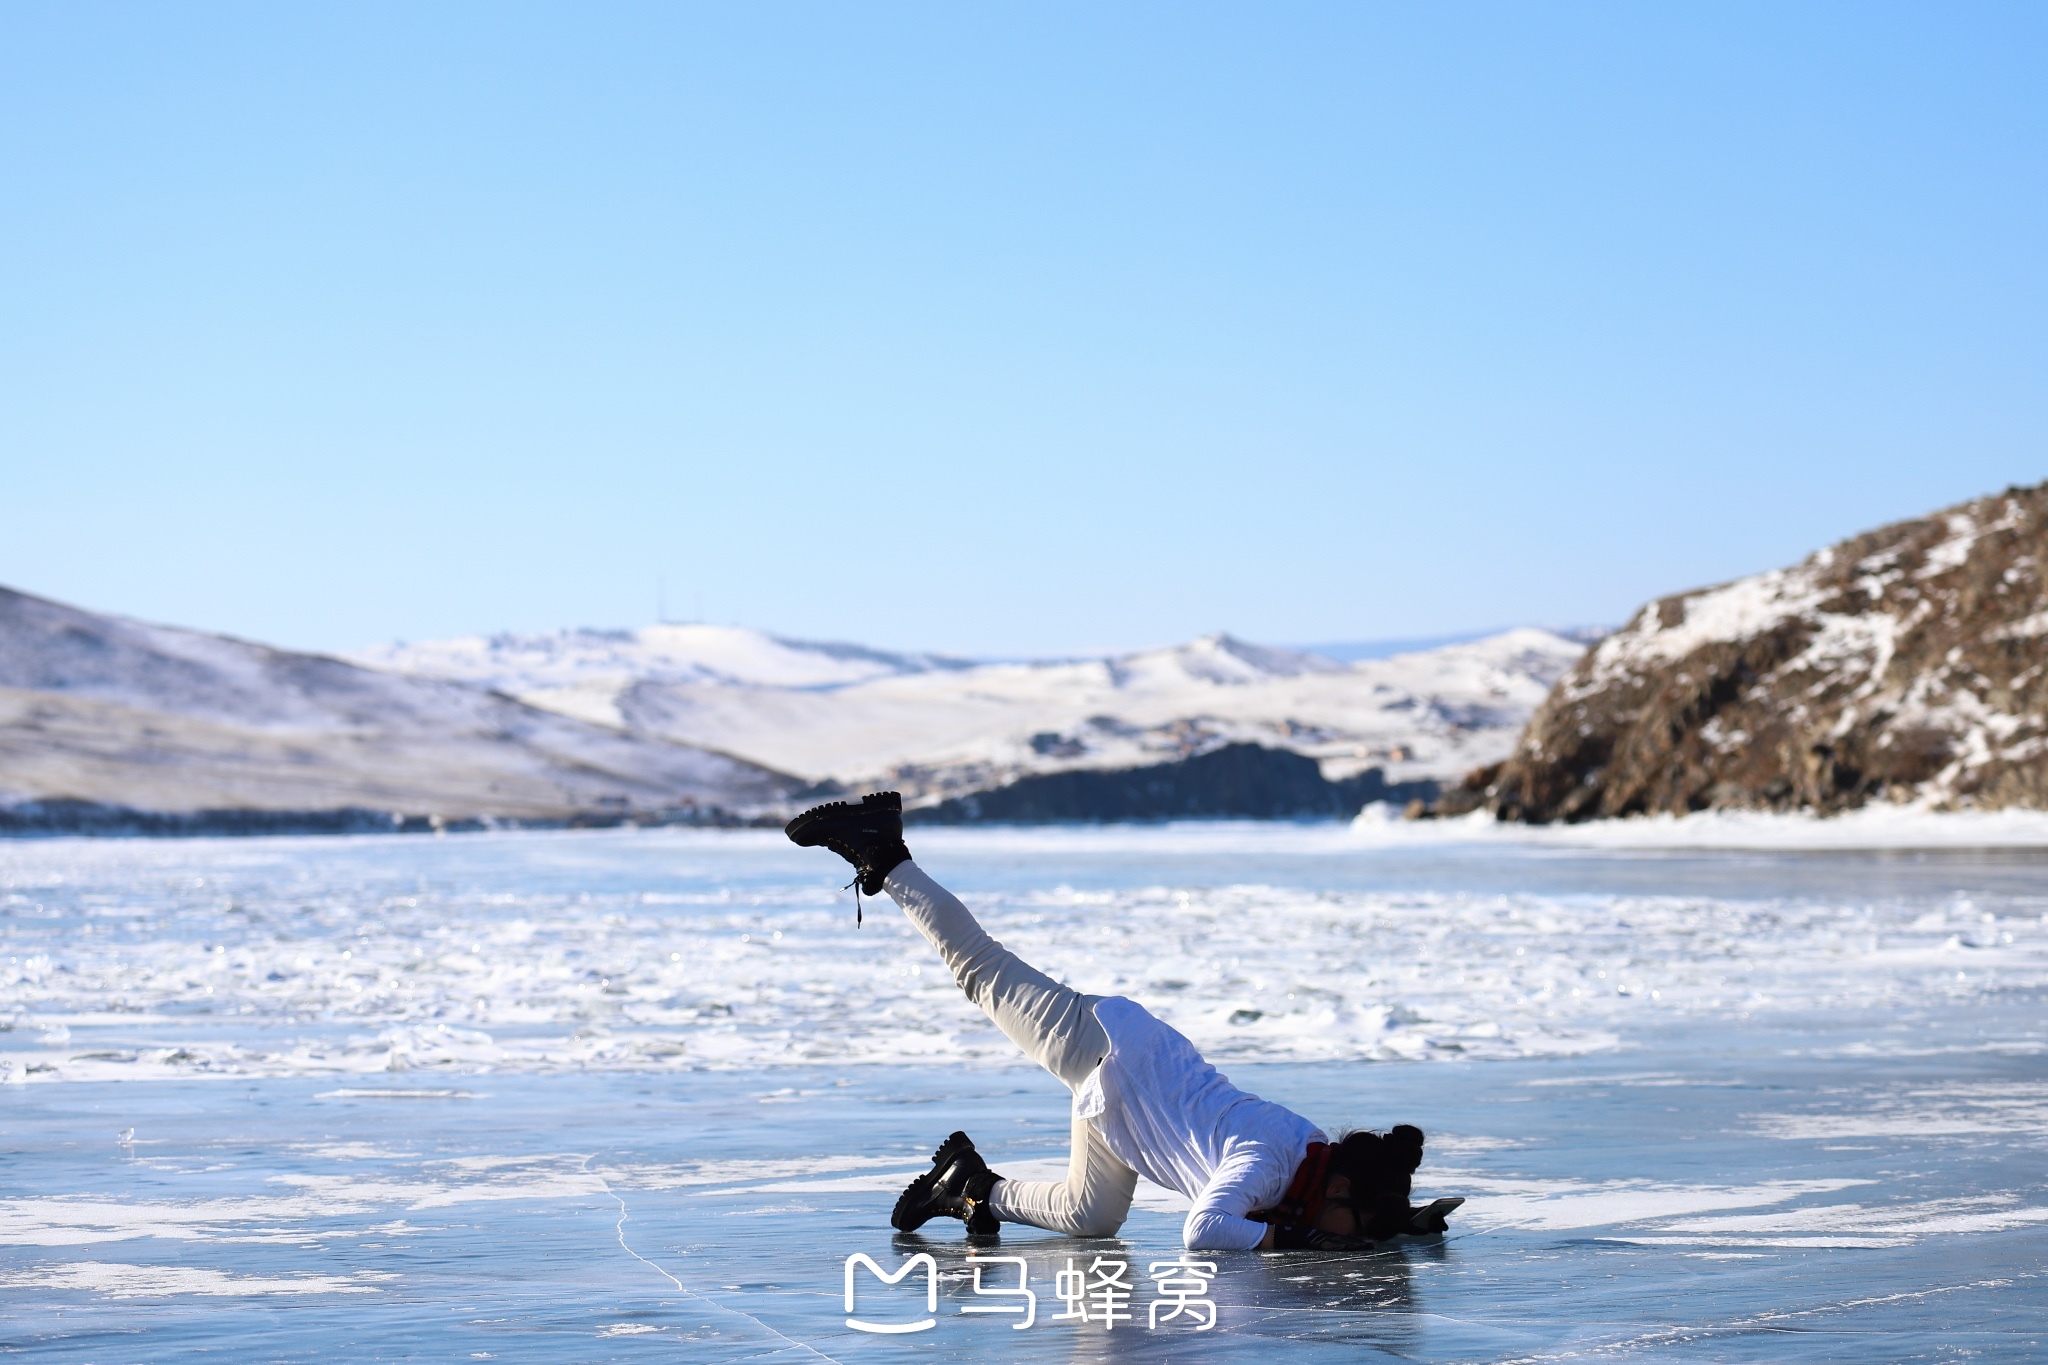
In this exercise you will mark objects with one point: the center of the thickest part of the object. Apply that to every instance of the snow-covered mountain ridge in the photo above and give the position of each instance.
(935, 726)
(112, 712)
(583, 672)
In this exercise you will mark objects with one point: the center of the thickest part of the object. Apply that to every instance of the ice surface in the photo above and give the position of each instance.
(1817, 1142)
(680, 950)
(705, 1218)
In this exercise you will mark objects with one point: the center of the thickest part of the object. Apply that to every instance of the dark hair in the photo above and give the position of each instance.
(1380, 1169)
(1378, 1163)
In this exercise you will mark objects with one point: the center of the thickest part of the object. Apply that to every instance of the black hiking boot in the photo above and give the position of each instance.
(957, 1186)
(869, 835)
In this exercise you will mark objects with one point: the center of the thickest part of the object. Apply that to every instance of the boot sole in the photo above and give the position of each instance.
(801, 828)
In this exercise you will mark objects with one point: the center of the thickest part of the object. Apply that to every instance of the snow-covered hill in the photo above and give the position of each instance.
(935, 726)
(582, 673)
(101, 709)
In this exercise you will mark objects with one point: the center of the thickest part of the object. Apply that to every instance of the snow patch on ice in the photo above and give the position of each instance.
(66, 1221)
(1568, 1205)
(1933, 1111)
(113, 1280)
(305, 959)
(1871, 827)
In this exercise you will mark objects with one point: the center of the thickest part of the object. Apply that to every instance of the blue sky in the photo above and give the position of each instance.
(1000, 329)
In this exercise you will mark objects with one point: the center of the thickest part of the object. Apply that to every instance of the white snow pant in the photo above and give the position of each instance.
(1056, 1027)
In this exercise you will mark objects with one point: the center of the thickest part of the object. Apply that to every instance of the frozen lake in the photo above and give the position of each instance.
(640, 1095)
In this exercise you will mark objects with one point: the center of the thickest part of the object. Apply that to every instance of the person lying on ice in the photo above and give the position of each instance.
(1145, 1103)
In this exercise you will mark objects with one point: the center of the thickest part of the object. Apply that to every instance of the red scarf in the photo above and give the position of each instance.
(1302, 1205)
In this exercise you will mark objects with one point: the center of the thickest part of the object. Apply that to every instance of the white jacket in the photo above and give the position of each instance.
(1174, 1119)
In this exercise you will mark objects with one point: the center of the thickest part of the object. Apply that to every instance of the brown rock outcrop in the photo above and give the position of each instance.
(1909, 663)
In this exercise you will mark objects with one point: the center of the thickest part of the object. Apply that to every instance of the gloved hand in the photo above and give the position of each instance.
(1315, 1239)
(1432, 1218)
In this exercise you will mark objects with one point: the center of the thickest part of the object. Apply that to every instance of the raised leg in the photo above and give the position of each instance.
(1054, 1025)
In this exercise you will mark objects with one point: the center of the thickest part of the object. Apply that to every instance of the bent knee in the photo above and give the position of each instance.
(1100, 1226)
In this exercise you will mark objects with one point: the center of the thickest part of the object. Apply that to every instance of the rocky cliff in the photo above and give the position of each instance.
(1909, 663)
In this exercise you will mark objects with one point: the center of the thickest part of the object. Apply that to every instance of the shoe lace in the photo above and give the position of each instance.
(847, 851)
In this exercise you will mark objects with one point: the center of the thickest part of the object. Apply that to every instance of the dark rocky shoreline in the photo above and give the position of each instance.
(1235, 782)
(60, 818)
